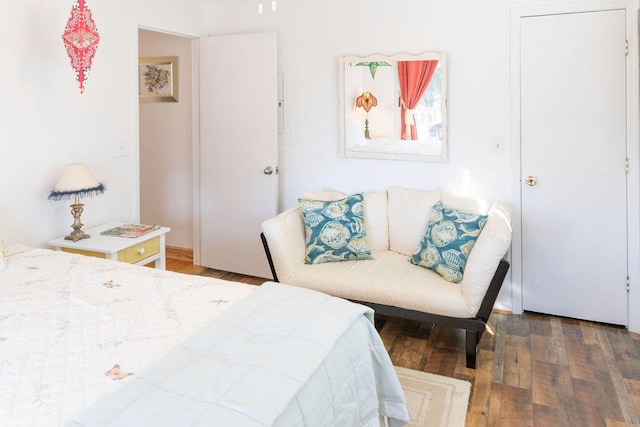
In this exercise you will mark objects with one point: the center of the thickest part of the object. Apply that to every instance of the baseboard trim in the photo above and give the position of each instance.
(182, 254)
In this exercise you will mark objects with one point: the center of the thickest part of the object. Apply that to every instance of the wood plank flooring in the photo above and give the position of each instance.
(535, 370)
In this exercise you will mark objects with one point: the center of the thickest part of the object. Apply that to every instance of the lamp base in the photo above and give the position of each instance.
(77, 233)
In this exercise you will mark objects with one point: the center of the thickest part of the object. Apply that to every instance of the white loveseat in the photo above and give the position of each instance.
(395, 222)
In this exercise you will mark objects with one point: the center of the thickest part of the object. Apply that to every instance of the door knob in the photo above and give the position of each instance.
(531, 181)
(268, 170)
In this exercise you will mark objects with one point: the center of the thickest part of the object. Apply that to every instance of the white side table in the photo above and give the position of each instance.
(139, 250)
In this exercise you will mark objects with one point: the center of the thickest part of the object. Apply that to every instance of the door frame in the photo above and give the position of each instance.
(633, 146)
(143, 24)
(195, 36)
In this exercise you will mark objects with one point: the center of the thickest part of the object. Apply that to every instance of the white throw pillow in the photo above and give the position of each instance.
(408, 217)
(325, 196)
(375, 221)
(465, 203)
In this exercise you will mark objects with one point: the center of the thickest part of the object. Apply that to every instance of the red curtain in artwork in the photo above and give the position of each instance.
(414, 79)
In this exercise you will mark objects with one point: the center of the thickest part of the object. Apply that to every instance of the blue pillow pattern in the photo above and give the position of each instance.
(335, 230)
(447, 243)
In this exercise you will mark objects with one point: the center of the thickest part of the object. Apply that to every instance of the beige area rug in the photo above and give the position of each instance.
(434, 400)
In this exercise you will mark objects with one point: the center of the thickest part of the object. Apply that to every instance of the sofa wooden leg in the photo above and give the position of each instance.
(472, 345)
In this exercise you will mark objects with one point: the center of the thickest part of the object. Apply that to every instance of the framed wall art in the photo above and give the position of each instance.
(158, 79)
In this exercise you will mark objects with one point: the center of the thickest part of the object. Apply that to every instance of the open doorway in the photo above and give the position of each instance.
(166, 148)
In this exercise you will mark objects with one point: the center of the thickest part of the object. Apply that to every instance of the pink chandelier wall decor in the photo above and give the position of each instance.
(81, 39)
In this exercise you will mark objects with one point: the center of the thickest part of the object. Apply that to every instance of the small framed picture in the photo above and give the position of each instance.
(158, 79)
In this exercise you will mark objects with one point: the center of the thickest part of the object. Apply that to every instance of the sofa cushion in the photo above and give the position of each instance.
(448, 241)
(408, 217)
(465, 203)
(375, 220)
(389, 280)
(323, 195)
(335, 230)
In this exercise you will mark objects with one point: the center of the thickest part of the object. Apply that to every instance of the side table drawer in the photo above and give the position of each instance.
(83, 252)
(140, 251)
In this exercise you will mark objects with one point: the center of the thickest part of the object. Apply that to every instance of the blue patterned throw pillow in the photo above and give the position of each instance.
(447, 243)
(335, 230)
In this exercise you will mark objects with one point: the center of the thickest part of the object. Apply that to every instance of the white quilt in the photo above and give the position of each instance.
(284, 356)
(65, 320)
(78, 333)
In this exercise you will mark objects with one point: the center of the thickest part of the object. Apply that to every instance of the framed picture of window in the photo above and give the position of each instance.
(394, 107)
(158, 79)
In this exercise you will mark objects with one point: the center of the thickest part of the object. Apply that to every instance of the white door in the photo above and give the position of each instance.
(238, 145)
(573, 143)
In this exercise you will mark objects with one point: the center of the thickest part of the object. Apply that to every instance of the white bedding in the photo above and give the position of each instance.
(73, 328)
(65, 320)
(284, 356)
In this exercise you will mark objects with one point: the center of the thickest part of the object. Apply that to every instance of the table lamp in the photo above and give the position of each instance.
(76, 180)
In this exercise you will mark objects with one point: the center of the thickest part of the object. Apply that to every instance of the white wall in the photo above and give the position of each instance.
(166, 172)
(46, 123)
(312, 35)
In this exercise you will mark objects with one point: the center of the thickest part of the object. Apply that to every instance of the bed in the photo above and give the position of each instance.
(88, 342)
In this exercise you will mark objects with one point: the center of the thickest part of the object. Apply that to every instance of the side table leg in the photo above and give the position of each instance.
(161, 263)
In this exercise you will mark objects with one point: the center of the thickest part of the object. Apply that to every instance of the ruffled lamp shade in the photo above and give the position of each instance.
(76, 181)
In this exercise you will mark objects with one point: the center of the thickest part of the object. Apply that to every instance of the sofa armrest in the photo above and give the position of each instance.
(284, 236)
(490, 248)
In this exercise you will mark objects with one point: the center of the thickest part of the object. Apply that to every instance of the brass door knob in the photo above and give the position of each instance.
(531, 181)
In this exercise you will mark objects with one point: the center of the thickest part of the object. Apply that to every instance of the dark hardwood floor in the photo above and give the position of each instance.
(534, 370)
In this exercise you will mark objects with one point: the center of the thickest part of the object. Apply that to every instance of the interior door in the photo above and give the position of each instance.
(238, 150)
(573, 152)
